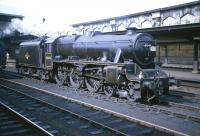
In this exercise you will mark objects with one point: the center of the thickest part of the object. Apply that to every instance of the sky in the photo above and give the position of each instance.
(66, 12)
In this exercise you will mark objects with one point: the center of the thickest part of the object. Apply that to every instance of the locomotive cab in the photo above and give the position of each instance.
(47, 53)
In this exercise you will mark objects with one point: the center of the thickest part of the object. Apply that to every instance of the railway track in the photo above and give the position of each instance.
(13, 123)
(175, 98)
(184, 98)
(10, 74)
(173, 109)
(178, 110)
(188, 83)
(60, 115)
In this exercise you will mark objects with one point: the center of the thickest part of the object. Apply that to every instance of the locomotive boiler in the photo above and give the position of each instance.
(121, 65)
(137, 47)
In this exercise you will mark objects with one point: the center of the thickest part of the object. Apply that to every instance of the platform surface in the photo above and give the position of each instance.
(183, 75)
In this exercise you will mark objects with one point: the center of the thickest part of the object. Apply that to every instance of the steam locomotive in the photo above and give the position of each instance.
(121, 65)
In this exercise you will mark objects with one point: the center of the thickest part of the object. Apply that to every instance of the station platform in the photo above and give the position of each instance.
(178, 66)
(183, 75)
(182, 72)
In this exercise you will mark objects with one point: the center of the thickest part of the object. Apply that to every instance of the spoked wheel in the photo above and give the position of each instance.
(30, 72)
(93, 85)
(109, 91)
(49, 75)
(21, 71)
(33, 73)
(26, 71)
(75, 79)
(131, 92)
(60, 76)
(42, 75)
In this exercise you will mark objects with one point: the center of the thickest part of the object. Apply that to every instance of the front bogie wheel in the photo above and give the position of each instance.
(93, 85)
(109, 90)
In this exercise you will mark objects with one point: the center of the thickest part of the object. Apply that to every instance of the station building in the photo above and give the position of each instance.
(5, 20)
(13, 39)
(176, 30)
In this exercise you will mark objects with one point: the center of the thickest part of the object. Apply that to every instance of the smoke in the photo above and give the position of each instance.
(38, 27)
(18, 25)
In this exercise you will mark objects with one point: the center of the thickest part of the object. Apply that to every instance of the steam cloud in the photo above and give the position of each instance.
(26, 26)
(17, 25)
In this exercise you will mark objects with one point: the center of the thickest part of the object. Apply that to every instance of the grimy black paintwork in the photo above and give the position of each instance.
(115, 64)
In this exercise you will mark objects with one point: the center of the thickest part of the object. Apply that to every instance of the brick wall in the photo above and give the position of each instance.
(181, 53)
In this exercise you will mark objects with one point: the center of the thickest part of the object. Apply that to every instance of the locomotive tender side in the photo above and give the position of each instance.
(35, 57)
(30, 54)
(116, 64)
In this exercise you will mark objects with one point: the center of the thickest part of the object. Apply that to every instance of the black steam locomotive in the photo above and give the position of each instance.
(120, 65)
